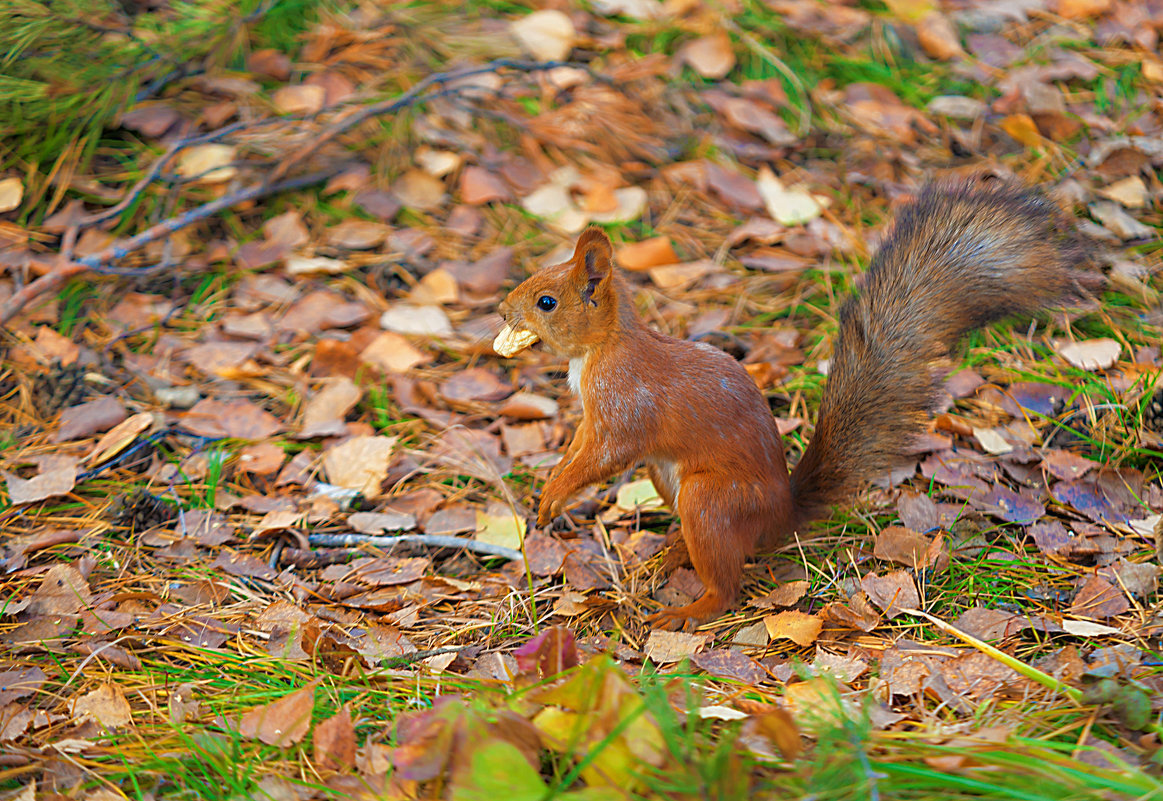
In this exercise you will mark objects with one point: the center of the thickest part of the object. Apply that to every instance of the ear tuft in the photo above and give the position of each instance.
(595, 239)
(594, 260)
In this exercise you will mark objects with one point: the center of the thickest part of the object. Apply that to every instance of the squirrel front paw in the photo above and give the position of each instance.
(550, 507)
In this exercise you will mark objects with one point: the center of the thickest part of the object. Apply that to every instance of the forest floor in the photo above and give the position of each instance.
(247, 330)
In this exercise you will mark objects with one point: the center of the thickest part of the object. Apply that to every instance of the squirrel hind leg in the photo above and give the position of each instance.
(719, 536)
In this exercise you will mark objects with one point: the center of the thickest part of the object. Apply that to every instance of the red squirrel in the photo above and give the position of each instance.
(958, 257)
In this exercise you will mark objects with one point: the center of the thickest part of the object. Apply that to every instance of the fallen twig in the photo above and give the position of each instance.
(430, 540)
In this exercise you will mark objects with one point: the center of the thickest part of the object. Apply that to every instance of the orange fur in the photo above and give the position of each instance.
(958, 258)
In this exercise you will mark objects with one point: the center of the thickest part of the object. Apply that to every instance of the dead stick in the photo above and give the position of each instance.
(62, 272)
(431, 540)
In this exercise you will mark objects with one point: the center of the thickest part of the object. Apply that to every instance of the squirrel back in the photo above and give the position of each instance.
(959, 257)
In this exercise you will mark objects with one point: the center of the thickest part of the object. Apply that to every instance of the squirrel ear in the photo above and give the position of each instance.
(594, 257)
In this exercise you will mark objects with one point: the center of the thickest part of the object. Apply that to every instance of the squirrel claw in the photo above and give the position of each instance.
(670, 620)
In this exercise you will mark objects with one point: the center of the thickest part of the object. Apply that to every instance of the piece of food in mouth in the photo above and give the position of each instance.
(510, 342)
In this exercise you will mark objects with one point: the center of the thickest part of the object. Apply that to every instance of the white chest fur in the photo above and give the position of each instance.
(575, 376)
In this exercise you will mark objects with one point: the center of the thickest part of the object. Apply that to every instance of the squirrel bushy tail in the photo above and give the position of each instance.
(959, 257)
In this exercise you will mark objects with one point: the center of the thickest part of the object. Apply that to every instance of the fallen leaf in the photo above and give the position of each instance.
(11, 193)
(57, 480)
(79, 422)
(992, 441)
(479, 186)
(892, 592)
(1130, 192)
(800, 628)
(1115, 217)
(420, 320)
(119, 437)
(334, 741)
(727, 663)
(62, 591)
(359, 463)
(283, 722)
(393, 353)
(1090, 354)
(646, 254)
(301, 100)
(786, 206)
(106, 705)
(416, 189)
(315, 265)
(239, 419)
(710, 56)
(500, 526)
(207, 164)
(324, 413)
(938, 37)
(665, 647)
(638, 496)
(358, 234)
(547, 35)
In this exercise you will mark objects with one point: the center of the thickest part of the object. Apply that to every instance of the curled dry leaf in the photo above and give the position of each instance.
(418, 190)
(78, 422)
(1090, 354)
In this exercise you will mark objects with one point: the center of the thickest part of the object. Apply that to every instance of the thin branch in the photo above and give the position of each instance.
(431, 540)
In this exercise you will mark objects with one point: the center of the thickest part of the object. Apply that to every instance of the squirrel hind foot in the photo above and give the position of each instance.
(708, 607)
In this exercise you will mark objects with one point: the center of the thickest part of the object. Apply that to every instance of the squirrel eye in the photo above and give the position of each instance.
(546, 303)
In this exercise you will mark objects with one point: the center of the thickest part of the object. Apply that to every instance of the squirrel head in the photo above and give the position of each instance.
(572, 307)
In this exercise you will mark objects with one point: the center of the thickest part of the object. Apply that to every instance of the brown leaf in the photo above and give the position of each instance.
(727, 663)
(418, 190)
(547, 35)
(59, 479)
(475, 384)
(800, 628)
(710, 56)
(62, 591)
(1066, 465)
(283, 722)
(856, 614)
(120, 437)
(892, 592)
(238, 419)
(78, 422)
(646, 254)
(938, 37)
(270, 63)
(324, 414)
(262, 459)
(664, 647)
(784, 595)
(300, 100)
(1098, 598)
(358, 234)
(907, 547)
(106, 705)
(479, 186)
(360, 463)
(19, 683)
(528, 406)
(392, 353)
(335, 741)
